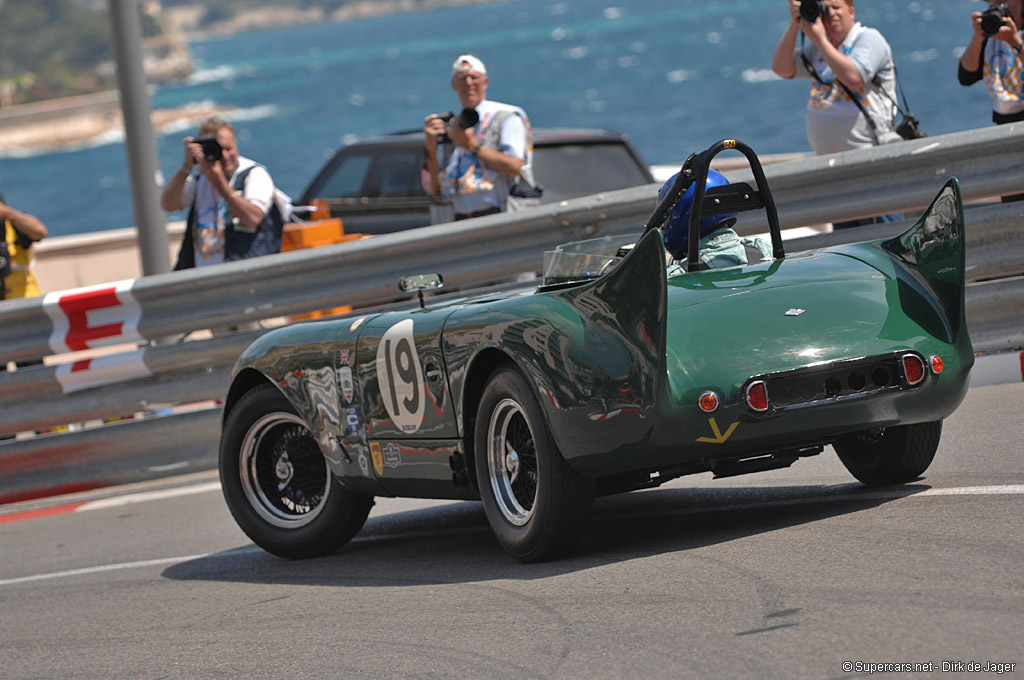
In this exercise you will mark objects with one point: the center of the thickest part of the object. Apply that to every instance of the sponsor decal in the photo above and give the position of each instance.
(378, 459)
(344, 356)
(345, 380)
(364, 464)
(400, 377)
(91, 317)
(392, 456)
(352, 419)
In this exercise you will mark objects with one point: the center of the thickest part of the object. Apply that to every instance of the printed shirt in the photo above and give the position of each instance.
(211, 210)
(473, 186)
(22, 281)
(834, 123)
(1002, 72)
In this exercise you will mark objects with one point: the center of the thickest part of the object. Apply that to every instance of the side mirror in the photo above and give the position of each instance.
(420, 283)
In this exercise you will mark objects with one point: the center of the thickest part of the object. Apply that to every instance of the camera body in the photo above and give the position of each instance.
(810, 10)
(992, 18)
(212, 150)
(465, 120)
(5, 263)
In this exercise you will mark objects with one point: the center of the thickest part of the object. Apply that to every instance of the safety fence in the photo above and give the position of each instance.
(124, 347)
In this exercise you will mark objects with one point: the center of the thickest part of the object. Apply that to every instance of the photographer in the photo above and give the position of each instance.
(21, 231)
(232, 212)
(994, 54)
(851, 67)
(17, 280)
(480, 159)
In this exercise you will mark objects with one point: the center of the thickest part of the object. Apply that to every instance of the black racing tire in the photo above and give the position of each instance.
(536, 503)
(892, 456)
(277, 484)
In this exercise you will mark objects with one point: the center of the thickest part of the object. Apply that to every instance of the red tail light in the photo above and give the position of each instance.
(913, 368)
(708, 402)
(757, 396)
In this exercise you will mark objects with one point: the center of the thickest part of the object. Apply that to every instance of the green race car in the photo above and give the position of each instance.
(620, 371)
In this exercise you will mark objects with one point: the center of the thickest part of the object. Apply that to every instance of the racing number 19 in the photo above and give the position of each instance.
(403, 360)
(400, 376)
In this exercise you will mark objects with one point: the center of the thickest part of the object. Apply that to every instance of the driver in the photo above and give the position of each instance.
(720, 246)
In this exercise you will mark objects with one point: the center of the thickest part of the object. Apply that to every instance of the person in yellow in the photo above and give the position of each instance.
(21, 231)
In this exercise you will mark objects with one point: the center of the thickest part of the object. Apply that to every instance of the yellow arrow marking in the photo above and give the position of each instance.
(719, 438)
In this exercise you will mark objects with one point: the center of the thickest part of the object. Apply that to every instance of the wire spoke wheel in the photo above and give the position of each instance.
(277, 482)
(283, 473)
(512, 462)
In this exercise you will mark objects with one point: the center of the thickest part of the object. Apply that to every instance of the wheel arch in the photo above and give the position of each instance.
(485, 364)
(247, 379)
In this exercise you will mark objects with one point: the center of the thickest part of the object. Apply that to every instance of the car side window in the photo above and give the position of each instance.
(395, 173)
(348, 177)
(570, 170)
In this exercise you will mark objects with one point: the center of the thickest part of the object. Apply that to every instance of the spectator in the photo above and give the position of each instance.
(232, 210)
(490, 168)
(852, 99)
(997, 59)
(21, 231)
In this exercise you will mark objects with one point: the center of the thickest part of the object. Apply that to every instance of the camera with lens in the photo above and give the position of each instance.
(810, 10)
(465, 120)
(212, 150)
(5, 264)
(992, 18)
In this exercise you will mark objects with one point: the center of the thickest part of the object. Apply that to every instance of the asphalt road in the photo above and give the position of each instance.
(785, 574)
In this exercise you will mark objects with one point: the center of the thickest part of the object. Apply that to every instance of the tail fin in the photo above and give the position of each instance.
(935, 249)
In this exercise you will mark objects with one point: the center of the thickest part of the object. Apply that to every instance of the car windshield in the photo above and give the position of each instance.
(571, 170)
(583, 260)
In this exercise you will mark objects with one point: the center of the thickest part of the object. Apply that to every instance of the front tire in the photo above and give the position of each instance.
(893, 456)
(277, 484)
(535, 502)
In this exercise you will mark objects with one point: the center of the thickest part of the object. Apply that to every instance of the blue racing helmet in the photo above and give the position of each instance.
(677, 230)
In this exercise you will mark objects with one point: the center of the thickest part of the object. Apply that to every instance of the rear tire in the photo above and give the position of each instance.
(277, 484)
(537, 505)
(893, 456)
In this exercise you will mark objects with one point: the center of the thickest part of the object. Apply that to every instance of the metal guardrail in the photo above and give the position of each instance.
(145, 312)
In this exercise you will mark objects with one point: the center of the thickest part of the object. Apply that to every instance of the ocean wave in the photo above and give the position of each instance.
(758, 75)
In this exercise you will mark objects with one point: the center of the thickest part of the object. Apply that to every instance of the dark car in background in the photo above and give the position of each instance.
(374, 185)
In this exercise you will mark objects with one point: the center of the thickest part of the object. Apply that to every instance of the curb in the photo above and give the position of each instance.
(998, 369)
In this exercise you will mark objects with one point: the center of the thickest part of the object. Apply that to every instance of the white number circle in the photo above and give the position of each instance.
(400, 377)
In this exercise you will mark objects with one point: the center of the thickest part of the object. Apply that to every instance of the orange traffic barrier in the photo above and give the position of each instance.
(322, 230)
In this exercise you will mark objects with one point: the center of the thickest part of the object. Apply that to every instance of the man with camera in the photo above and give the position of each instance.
(994, 54)
(482, 158)
(852, 102)
(232, 211)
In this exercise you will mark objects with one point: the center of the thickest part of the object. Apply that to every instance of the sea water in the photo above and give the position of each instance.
(675, 75)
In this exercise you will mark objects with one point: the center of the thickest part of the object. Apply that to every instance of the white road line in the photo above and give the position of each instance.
(101, 568)
(142, 497)
(904, 492)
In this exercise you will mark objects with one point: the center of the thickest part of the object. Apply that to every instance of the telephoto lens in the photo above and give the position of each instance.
(992, 19)
(810, 10)
(465, 120)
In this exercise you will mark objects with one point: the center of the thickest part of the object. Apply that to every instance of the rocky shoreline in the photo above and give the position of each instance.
(75, 122)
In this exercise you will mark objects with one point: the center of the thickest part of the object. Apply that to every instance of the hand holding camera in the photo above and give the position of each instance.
(465, 120)
(994, 18)
(212, 150)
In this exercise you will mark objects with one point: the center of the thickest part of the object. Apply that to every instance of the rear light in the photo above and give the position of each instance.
(937, 365)
(708, 402)
(757, 396)
(913, 368)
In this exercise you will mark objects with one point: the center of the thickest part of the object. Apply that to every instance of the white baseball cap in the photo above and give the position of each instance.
(467, 62)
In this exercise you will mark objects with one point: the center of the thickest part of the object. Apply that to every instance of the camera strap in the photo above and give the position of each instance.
(850, 93)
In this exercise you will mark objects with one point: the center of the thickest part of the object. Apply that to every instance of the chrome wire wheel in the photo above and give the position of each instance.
(512, 462)
(284, 475)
